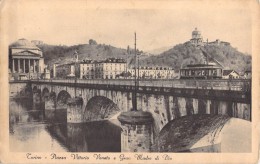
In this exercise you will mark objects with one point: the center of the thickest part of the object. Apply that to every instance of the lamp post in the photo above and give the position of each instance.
(136, 122)
(138, 69)
(135, 90)
(128, 49)
(75, 64)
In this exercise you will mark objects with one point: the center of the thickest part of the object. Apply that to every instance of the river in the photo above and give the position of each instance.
(33, 129)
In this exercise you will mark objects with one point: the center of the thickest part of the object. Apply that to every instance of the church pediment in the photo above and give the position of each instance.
(27, 53)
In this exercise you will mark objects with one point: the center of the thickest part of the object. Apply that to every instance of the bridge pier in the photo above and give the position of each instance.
(50, 104)
(137, 131)
(37, 97)
(182, 106)
(76, 137)
(74, 110)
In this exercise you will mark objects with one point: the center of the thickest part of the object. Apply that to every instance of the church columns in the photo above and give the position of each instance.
(29, 65)
(19, 65)
(23, 65)
(33, 65)
(13, 66)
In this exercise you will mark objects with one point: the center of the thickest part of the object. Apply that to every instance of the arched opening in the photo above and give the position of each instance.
(205, 133)
(100, 108)
(62, 99)
(35, 89)
(45, 94)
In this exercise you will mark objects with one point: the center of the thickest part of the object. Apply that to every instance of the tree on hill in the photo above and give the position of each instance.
(92, 42)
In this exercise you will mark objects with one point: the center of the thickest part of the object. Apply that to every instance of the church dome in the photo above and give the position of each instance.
(23, 43)
(196, 32)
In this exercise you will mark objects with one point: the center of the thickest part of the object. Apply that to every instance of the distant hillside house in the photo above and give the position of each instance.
(230, 74)
(25, 60)
(218, 42)
(248, 74)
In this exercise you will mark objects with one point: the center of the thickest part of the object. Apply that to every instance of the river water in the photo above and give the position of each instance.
(33, 129)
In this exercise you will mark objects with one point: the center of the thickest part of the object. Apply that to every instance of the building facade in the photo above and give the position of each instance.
(87, 69)
(201, 71)
(25, 60)
(110, 68)
(154, 73)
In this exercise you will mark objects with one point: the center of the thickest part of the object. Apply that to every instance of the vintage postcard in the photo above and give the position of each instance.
(94, 81)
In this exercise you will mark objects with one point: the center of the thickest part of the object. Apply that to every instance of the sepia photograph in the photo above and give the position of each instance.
(124, 77)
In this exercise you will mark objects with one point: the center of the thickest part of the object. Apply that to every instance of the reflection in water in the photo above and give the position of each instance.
(34, 129)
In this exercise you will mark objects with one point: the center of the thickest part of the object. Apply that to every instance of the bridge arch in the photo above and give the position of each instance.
(62, 99)
(100, 108)
(34, 89)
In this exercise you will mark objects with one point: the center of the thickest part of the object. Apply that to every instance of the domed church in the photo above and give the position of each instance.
(25, 60)
(197, 38)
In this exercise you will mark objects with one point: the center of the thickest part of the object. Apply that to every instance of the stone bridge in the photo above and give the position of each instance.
(191, 107)
(165, 100)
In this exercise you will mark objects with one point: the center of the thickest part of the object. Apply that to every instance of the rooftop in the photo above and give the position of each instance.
(23, 43)
(227, 72)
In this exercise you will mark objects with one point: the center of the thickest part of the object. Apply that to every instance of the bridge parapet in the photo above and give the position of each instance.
(234, 90)
(220, 84)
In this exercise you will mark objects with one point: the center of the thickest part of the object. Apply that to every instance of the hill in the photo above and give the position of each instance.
(183, 54)
(176, 57)
(64, 54)
(158, 51)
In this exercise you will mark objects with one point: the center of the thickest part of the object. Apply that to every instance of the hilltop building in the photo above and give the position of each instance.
(218, 42)
(197, 39)
(25, 60)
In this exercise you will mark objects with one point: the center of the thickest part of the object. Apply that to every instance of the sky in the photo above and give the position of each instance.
(70, 23)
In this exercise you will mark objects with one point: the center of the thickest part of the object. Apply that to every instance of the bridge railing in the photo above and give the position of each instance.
(219, 84)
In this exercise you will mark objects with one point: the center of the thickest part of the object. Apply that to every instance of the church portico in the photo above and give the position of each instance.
(26, 60)
(20, 65)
